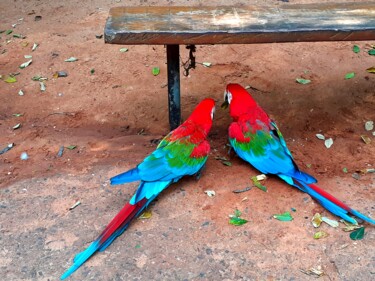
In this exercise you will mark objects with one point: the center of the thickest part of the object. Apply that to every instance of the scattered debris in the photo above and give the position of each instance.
(366, 171)
(17, 126)
(256, 181)
(37, 18)
(124, 50)
(39, 78)
(356, 176)
(330, 222)
(283, 217)
(26, 64)
(236, 218)
(7, 148)
(17, 114)
(316, 220)
(345, 170)
(24, 156)
(224, 161)
(371, 69)
(92, 71)
(61, 151)
(303, 81)
(369, 125)
(210, 193)
(317, 272)
(28, 56)
(155, 71)
(42, 86)
(241, 190)
(206, 64)
(366, 139)
(349, 226)
(358, 234)
(320, 234)
(320, 136)
(100, 36)
(293, 209)
(20, 93)
(146, 215)
(60, 74)
(15, 35)
(71, 59)
(328, 142)
(349, 75)
(35, 45)
(76, 204)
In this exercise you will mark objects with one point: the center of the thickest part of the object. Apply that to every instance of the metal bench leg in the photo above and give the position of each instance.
(173, 65)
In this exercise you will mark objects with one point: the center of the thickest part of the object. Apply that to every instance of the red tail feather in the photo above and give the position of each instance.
(126, 214)
(330, 197)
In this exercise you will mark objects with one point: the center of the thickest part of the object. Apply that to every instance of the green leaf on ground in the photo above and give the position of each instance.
(10, 79)
(371, 69)
(283, 217)
(303, 81)
(356, 49)
(71, 147)
(257, 183)
(358, 234)
(206, 64)
(237, 221)
(371, 52)
(320, 234)
(146, 215)
(124, 50)
(349, 75)
(155, 71)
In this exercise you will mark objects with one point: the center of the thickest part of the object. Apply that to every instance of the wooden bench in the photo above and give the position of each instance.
(174, 26)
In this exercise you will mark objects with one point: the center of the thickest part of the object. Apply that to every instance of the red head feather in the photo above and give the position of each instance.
(241, 102)
(203, 114)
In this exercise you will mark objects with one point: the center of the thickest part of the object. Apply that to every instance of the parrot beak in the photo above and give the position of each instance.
(225, 104)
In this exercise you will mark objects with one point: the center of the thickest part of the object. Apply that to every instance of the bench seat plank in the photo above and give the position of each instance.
(241, 25)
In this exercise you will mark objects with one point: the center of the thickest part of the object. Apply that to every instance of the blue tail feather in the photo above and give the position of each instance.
(331, 206)
(129, 176)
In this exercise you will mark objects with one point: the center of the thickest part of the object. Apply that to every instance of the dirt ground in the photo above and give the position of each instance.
(113, 116)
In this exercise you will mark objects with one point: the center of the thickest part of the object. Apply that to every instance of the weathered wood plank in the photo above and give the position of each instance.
(241, 25)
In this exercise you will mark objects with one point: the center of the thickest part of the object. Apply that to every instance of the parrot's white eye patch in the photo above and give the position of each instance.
(228, 97)
(212, 113)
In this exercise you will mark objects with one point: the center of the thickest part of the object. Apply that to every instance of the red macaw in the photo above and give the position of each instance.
(257, 140)
(182, 152)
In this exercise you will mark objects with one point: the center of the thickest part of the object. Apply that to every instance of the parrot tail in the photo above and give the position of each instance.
(129, 176)
(115, 228)
(331, 203)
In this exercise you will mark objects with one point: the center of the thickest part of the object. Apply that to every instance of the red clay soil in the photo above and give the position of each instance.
(115, 114)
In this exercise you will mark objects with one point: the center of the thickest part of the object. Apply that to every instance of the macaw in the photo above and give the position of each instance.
(257, 140)
(182, 152)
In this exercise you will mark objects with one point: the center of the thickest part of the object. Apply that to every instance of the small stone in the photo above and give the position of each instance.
(24, 156)
(356, 176)
(369, 125)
